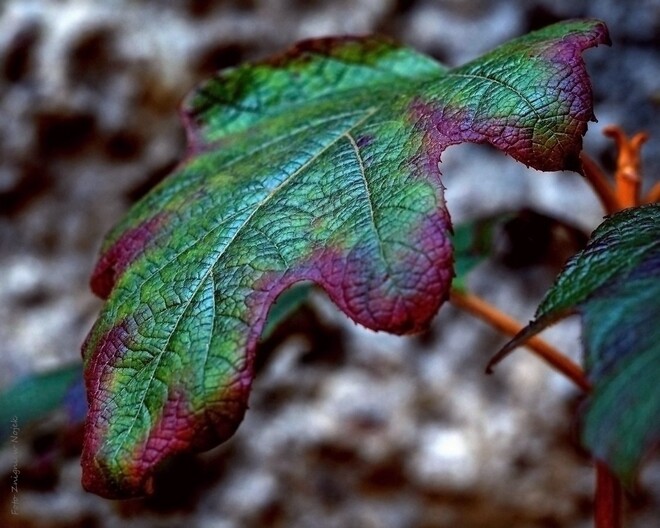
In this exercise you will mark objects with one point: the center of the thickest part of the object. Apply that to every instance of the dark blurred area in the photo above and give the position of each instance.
(346, 427)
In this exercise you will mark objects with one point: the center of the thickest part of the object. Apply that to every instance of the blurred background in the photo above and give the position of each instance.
(346, 427)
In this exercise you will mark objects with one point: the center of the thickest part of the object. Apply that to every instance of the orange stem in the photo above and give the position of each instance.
(507, 325)
(608, 498)
(600, 184)
(627, 178)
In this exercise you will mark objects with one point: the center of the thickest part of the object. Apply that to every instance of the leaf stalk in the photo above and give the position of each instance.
(608, 511)
(485, 311)
(600, 184)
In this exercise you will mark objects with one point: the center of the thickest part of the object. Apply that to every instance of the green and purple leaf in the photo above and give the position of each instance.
(320, 165)
(614, 284)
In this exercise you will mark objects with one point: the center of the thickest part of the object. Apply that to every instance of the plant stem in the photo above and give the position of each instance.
(507, 325)
(600, 184)
(607, 498)
(628, 179)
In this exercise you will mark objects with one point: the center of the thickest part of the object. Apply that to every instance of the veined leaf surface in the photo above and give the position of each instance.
(614, 284)
(318, 165)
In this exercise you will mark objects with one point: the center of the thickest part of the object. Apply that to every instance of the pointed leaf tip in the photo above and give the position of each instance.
(319, 166)
(614, 284)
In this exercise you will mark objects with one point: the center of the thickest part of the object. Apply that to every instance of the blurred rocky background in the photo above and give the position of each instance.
(347, 428)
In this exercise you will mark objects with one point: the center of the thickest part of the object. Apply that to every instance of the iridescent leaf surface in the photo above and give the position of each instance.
(319, 165)
(614, 284)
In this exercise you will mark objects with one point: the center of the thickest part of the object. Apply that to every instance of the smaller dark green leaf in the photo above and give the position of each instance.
(35, 397)
(614, 284)
(473, 243)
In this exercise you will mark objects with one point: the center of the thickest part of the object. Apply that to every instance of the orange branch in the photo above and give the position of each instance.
(628, 178)
(600, 184)
(507, 325)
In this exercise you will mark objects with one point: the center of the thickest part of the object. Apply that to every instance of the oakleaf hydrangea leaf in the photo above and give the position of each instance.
(319, 165)
(614, 284)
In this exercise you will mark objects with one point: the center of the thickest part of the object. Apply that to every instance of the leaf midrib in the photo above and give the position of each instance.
(157, 360)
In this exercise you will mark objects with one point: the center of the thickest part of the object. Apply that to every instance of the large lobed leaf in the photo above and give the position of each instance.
(318, 165)
(614, 284)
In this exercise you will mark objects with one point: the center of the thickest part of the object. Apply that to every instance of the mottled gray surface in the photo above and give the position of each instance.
(372, 430)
